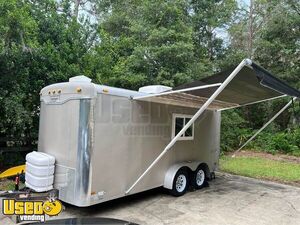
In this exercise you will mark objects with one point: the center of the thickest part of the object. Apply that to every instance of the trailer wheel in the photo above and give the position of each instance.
(180, 183)
(199, 178)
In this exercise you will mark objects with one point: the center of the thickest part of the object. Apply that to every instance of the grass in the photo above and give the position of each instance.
(261, 168)
(7, 185)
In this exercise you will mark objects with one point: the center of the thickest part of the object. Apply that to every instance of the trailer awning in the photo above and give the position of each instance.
(252, 84)
(248, 83)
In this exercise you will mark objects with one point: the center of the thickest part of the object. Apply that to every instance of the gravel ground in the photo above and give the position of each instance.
(228, 200)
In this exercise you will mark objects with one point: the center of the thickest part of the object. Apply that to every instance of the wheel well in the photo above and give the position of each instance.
(205, 167)
(189, 167)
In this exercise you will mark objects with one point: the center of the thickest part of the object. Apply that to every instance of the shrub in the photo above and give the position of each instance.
(286, 142)
(233, 131)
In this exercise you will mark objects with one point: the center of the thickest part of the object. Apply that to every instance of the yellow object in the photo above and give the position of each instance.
(78, 90)
(13, 171)
(52, 208)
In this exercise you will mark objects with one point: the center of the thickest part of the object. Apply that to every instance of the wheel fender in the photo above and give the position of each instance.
(169, 176)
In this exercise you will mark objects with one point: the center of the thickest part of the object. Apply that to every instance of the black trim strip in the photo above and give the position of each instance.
(270, 81)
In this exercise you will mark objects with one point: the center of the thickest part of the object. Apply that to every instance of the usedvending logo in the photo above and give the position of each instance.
(31, 210)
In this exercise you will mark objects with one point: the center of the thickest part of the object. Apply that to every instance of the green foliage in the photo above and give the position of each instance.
(152, 46)
(233, 130)
(51, 49)
(207, 16)
(281, 142)
(239, 125)
(7, 185)
(16, 25)
(278, 45)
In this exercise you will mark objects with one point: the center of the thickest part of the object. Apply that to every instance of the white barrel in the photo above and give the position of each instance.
(40, 158)
(39, 174)
(39, 181)
(39, 170)
(39, 189)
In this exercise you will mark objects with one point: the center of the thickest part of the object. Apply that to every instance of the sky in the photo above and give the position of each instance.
(246, 2)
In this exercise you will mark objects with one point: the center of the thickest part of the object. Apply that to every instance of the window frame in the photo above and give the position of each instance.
(184, 116)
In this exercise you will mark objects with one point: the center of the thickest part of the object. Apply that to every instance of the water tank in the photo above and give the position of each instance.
(39, 175)
(154, 89)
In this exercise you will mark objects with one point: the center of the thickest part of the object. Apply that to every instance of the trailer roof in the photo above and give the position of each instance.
(252, 84)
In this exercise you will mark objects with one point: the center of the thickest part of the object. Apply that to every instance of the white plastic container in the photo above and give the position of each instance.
(40, 158)
(39, 171)
(39, 181)
(39, 189)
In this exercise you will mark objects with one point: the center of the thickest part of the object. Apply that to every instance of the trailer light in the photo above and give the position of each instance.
(49, 92)
(59, 91)
(78, 90)
(105, 90)
(53, 92)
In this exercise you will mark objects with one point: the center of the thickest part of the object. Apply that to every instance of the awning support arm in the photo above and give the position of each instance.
(252, 103)
(192, 120)
(265, 125)
(179, 91)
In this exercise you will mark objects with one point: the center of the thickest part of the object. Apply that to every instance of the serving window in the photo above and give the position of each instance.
(178, 122)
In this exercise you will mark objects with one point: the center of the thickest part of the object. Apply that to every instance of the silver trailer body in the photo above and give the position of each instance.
(103, 141)
(110, 142)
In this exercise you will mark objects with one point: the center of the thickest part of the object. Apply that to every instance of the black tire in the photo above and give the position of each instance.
(198, 179)
(180, 183)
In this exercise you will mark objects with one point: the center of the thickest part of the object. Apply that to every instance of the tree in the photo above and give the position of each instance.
(268, 32)
(249, 22)
(16, 25)
(210, 18)
(279, 46)
(149, 42)
(39, 46)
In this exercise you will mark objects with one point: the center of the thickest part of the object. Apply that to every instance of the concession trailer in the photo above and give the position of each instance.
(98, 143)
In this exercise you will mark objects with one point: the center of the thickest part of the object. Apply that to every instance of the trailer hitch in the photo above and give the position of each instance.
(28, 194)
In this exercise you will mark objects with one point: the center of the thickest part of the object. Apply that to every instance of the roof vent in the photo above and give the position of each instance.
(154, 89)
(81, 78)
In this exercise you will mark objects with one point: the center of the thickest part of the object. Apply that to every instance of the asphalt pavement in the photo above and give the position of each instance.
(229, 199)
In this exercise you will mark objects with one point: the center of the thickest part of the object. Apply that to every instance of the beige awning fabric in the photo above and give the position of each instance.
(187, 100)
